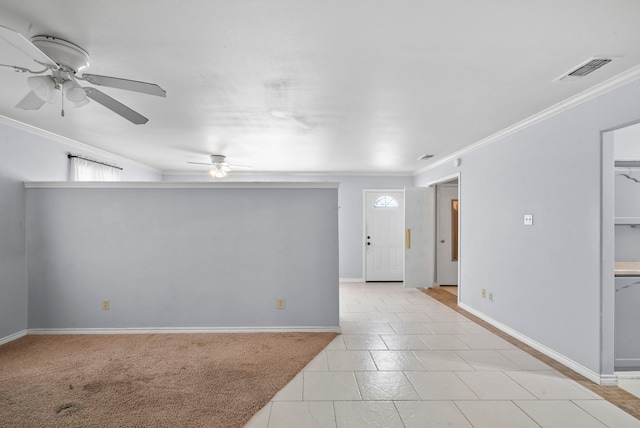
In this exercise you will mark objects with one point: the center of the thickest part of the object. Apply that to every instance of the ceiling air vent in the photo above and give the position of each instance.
(584, 69)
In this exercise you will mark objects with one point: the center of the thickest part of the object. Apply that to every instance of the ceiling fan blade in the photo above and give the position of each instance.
(201, 163)
(239, 166)
(129, 85)
(116, 106)
(30, 102)
(19, 42)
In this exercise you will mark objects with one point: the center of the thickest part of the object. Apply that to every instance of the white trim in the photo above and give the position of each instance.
(457, 175)
(589, 94)
(626, 220)
(621, 363)
(176, 330)
(182, 173)
(351, 280)
(606, 380)
(443, 180)
(68, 141)
(628, 375)
(179, 185)
(12, 337)
(607, 255)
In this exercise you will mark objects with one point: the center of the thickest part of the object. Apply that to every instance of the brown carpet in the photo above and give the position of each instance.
(148, 380)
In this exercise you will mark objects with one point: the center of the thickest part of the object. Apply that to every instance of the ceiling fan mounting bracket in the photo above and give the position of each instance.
(68, 56)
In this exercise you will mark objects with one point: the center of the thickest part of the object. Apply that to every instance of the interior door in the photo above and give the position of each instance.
(447, 254)
(383, 235)
(420, 236)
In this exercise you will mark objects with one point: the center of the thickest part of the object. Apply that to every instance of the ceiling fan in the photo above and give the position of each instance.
(219, 167)
(64, 63)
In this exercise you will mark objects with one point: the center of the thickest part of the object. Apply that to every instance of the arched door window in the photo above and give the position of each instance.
(385, 202)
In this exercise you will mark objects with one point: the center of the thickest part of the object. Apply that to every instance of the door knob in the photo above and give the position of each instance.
(442, 241)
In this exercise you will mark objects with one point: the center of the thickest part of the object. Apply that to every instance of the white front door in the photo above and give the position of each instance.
(447, 254)
(384, 212)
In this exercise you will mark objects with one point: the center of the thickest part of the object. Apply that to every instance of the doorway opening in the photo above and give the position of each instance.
(447, 252)
(626, 246)
(448, 233)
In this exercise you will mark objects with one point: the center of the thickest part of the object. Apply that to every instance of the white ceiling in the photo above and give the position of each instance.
(372, 85)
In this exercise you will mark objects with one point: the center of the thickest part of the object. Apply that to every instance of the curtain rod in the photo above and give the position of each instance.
(94, 161)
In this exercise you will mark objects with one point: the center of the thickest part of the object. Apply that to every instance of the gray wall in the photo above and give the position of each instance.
(25, 157)
(627, 143)
(204, 257)
(350, 200)
(13, 258)
(546, 277)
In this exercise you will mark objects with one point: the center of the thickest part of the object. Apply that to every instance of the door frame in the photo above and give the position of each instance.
(607, 256)
(364, 225)
(443, 180)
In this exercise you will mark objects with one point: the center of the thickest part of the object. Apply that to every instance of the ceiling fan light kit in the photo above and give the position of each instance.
(44, 87)
(66, 62)
(218, 172)
(219, 166)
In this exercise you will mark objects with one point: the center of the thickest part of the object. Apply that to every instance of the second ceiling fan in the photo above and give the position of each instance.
(219, 166)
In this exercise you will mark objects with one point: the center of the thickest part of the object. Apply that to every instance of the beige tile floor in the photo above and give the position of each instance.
(405, 360)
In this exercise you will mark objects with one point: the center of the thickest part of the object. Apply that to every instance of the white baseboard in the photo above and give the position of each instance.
(351, 280)
(172, 330)
(13, 336)
(600, 379)
(621, 363)
(628, 375)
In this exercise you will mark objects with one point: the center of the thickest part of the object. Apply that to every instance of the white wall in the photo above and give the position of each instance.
(350, 200)
(546, 277)
(30, 156)
(206, 257)
(27, 156)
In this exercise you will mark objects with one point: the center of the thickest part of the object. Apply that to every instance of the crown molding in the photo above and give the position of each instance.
(180, 185)
(582, 97)
(178, 173)
(73, 143)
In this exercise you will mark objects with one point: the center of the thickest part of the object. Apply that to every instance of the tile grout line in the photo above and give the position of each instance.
(613, 394)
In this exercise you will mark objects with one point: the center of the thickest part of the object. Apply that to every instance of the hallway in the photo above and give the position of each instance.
(407, 360)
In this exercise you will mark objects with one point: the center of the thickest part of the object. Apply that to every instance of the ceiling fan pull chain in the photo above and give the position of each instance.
(62, 93)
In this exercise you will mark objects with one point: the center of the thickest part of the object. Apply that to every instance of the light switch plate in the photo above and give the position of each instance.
(528, 219)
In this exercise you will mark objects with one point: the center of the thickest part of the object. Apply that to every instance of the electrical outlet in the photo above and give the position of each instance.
(484, 293)
(491, 296)
(281, 303)
(528, 219)
(106, 305)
